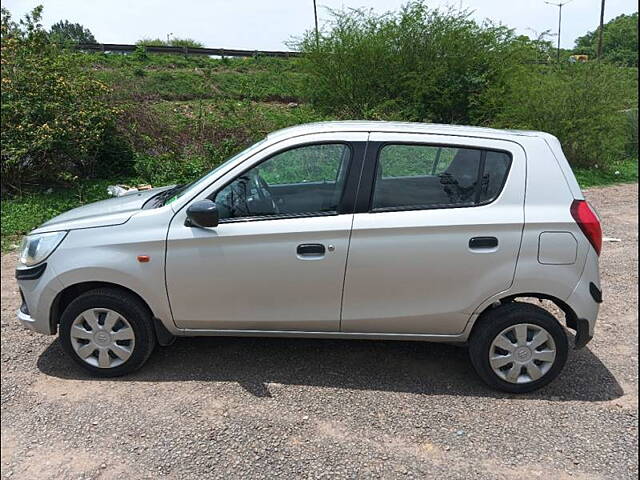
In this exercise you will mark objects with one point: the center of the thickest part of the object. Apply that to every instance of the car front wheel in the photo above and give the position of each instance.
(518, 347)
(108, 332)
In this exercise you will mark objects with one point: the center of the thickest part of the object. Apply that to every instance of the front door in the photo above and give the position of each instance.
(437, 231)
(277, 259)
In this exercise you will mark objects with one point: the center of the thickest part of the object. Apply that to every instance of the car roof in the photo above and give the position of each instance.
(398, 127)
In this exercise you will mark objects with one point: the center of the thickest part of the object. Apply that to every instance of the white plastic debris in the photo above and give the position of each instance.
(611, 239)
(119, 190)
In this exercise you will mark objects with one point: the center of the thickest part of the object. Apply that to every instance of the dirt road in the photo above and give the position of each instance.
(265, 408)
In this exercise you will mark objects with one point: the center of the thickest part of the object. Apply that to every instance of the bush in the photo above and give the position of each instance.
(419, 64)
(632, 132)
(582, 104)
(168, 168)
(173, 42)
(55, 118)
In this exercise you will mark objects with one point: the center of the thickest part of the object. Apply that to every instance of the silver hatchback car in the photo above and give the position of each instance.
(363, 230)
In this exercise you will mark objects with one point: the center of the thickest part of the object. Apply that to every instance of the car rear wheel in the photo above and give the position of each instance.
(108, 332)
(518, 347)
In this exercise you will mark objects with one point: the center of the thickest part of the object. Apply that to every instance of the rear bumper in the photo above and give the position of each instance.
(582, 333)
(585, 301)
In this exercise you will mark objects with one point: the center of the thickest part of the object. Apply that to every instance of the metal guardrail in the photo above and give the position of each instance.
(222, 52)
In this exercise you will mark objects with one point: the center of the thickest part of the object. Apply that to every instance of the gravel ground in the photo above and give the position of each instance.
(265, 408)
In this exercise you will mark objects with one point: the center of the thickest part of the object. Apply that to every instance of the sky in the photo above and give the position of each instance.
(268, 24)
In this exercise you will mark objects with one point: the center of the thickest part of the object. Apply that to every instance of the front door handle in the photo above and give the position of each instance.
(310, 250)
(483, 243)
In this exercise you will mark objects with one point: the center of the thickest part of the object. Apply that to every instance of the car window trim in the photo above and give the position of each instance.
(364, 200)
(280, 216)
(345, 204)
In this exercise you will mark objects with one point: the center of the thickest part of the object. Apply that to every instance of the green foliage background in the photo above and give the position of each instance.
(619, 42)
(75, 122)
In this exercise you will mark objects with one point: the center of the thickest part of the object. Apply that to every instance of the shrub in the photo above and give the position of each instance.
(168, 168)
(55, 118)
(632, 132)
(172, 42)
(418, 64)
(582, 104)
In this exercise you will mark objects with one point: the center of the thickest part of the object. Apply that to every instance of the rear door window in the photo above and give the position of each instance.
(433, 176)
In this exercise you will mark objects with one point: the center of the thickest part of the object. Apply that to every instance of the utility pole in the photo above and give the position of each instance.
(559, 5)
(601, 32)
(315, 15)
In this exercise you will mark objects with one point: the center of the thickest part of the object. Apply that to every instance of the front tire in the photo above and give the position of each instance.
(108, 332)
(518, 347)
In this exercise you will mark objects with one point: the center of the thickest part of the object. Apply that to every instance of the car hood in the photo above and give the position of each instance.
(113, 211)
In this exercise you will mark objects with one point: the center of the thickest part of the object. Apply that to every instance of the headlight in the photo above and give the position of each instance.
(36, 248)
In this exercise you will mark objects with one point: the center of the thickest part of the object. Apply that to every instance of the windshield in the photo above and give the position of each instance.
(180, 190)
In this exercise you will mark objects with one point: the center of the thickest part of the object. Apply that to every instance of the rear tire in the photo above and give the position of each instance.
(506, 351)
(108, 332)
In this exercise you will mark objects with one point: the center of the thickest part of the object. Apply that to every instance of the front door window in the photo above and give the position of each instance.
(302, 181)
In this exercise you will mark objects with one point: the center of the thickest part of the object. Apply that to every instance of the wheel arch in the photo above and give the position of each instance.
(571, 318)
(71, 292)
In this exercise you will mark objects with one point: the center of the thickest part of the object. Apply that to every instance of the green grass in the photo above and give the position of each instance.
(178, 78)
(625, 171)
(167, 62)
(23, 213)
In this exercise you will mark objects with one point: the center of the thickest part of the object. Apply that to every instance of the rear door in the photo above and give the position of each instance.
(437, 230)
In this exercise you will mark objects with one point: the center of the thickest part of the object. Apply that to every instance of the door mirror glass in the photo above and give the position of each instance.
(202, 214)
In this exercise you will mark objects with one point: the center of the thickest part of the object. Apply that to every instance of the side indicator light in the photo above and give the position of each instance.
(144, 258)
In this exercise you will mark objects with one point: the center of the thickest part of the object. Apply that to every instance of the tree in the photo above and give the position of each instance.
(67, 32)
(55, 117)
(620, 43)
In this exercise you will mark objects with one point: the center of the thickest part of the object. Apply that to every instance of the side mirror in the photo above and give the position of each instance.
(202, 214)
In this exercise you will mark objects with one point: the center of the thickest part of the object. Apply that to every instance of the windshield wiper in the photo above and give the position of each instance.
(161, 198)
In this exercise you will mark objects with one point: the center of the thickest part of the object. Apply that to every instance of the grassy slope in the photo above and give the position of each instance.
(175, 103)
(197, 101)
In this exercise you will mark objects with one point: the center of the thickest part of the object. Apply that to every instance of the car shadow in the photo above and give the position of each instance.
(407, 367)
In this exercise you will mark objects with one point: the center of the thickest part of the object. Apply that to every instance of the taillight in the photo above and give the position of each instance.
(588, 222)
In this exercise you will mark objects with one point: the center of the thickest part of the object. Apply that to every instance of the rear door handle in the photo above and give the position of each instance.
(481, 243)
(310, 250)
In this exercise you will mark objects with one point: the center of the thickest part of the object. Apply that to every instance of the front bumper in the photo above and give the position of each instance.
(38, 293)
(29, 323)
